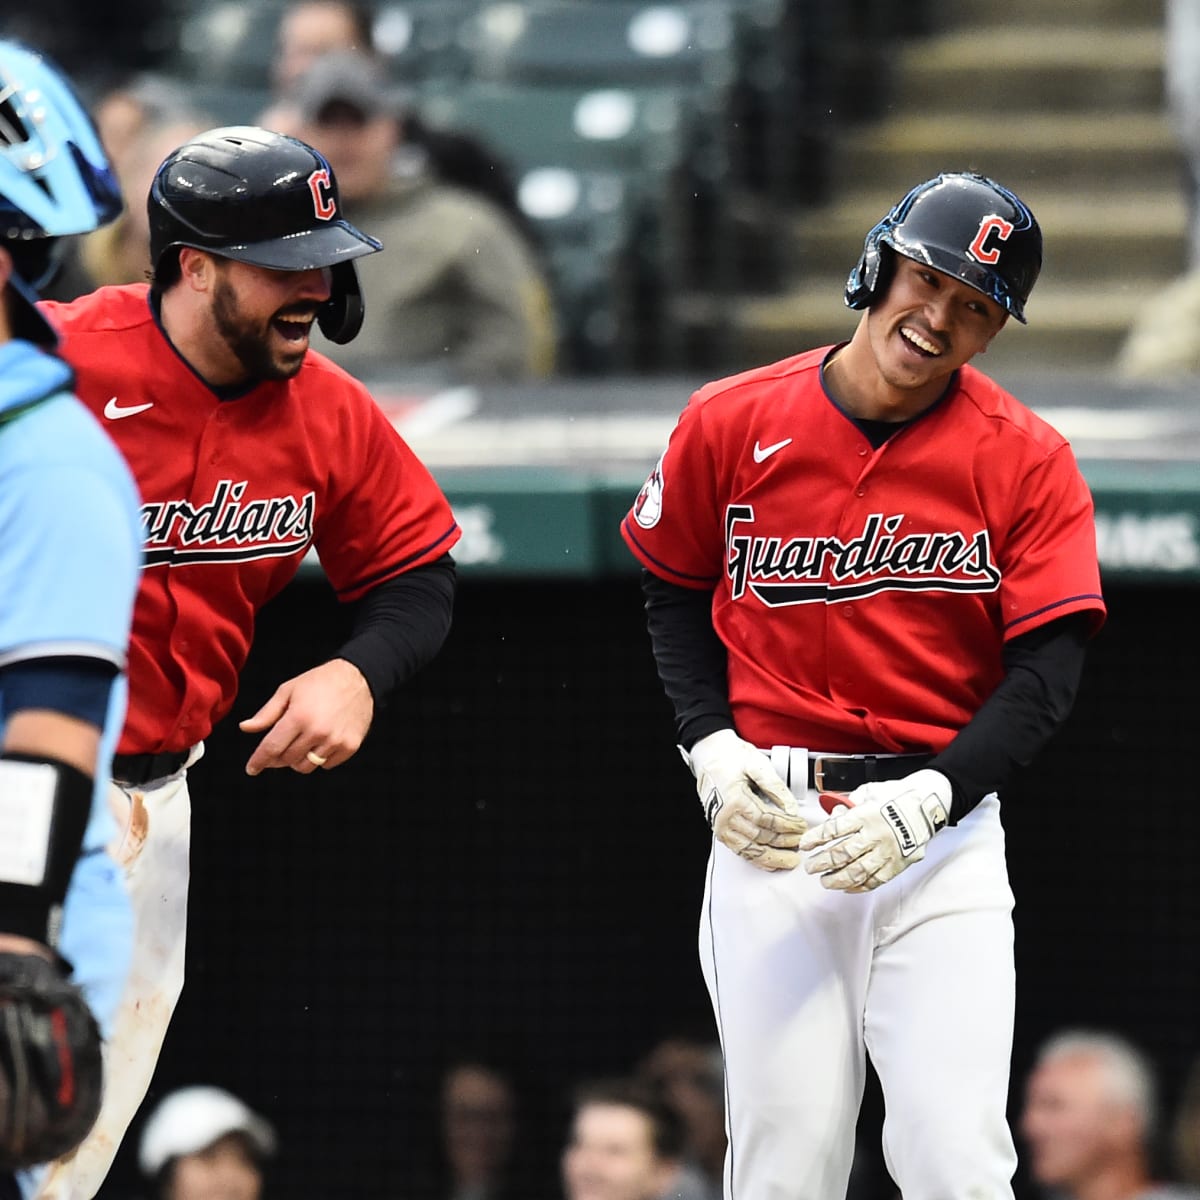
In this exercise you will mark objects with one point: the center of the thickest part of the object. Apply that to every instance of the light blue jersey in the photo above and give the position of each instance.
(70, 553)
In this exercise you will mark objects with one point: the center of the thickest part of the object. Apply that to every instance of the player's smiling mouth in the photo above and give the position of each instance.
(919, 342)
(294, 329)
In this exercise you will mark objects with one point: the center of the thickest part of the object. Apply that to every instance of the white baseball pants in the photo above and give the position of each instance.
(154, 851)
(919, 974)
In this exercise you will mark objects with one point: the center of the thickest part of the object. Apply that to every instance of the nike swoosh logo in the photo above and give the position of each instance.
(114, 412)
(762, 453)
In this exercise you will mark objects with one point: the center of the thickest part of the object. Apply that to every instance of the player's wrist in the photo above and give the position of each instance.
(699, 727)
(709, 748)
(917, 809)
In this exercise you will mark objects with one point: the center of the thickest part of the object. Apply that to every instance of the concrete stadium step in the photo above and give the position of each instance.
(1123, 150)
(1032, 68)
(983, 14)
(1145, 232)
(1075, 326)
(1061, 100)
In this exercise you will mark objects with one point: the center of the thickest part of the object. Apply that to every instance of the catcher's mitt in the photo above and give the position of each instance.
(51, 1067)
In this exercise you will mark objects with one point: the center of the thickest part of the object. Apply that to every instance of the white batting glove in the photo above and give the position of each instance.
(748, 806)
(882, 829)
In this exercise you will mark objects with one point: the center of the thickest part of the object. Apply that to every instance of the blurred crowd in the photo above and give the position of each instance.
(654, 1133)
(476, 298)
(461, 294)
(1089, 1114)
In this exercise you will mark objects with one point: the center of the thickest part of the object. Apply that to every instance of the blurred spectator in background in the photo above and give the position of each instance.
(478, 1110)
(690, 1077)
(482, 1148)
(459, 291)
(1090, 1121)
(140, 119)
(202, 1143)
(1164, 341)
(1186, 1139)
(131, 105)
(310, 29)
(120, 253)
(625, 1143)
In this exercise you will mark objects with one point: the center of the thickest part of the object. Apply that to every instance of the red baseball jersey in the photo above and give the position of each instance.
(864, 595)
(233, 494)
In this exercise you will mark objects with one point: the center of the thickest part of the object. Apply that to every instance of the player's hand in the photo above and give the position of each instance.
(880, 830)
(325, 713)
(748, 806)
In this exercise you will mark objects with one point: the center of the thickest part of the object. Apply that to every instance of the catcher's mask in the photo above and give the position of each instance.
(964, 224)
(55, 180)
(261, 198)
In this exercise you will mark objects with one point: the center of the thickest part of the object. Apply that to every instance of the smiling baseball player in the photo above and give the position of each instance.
(870, 576)
(248, 450)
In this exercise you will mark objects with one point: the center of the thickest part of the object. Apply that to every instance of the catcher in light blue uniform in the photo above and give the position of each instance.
(70, 552)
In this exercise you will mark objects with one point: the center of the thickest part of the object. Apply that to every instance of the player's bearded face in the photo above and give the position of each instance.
(265, 317)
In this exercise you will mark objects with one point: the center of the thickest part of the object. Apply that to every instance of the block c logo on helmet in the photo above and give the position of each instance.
(979, 250)
(321, 187)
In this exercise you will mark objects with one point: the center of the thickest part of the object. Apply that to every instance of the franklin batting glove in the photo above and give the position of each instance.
(748, 806)
(883, 829)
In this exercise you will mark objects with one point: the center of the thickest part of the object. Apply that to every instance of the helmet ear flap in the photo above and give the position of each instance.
(870, 278)
(341, 316)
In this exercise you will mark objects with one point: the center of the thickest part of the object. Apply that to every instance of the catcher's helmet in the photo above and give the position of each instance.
(965, 225)
(262, 198)
(54, 177)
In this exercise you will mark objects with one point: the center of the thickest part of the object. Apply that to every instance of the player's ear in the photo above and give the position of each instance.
(196, 268)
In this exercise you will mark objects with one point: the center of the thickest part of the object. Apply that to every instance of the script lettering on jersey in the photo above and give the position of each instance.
(227, 528)
(824, 570)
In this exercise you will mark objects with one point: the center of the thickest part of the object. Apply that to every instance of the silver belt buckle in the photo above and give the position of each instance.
(818, 770)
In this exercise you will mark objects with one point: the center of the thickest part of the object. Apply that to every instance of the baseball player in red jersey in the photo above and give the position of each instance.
(870, 576)
(248, 450)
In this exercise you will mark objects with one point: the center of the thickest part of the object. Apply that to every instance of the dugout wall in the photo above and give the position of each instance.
(477, 875)
(513, 863)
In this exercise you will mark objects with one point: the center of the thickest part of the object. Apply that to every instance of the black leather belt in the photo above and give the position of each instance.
(845, 772)
(142, 768)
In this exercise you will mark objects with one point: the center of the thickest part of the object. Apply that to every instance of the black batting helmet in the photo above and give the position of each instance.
(964, 224)
(262, 198)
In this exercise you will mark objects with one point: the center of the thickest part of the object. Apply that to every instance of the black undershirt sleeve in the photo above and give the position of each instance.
(400, 625)
(689, 656)
(1042, 669)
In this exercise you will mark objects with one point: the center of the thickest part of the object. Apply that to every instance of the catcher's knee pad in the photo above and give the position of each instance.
(51, 1066)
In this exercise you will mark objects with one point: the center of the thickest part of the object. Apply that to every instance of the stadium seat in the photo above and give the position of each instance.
(420, 39)
(617, 159)
(605, 42)
(644, 133)
(228, 43)
(588, 225)
(620, 128)
(232, 42)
